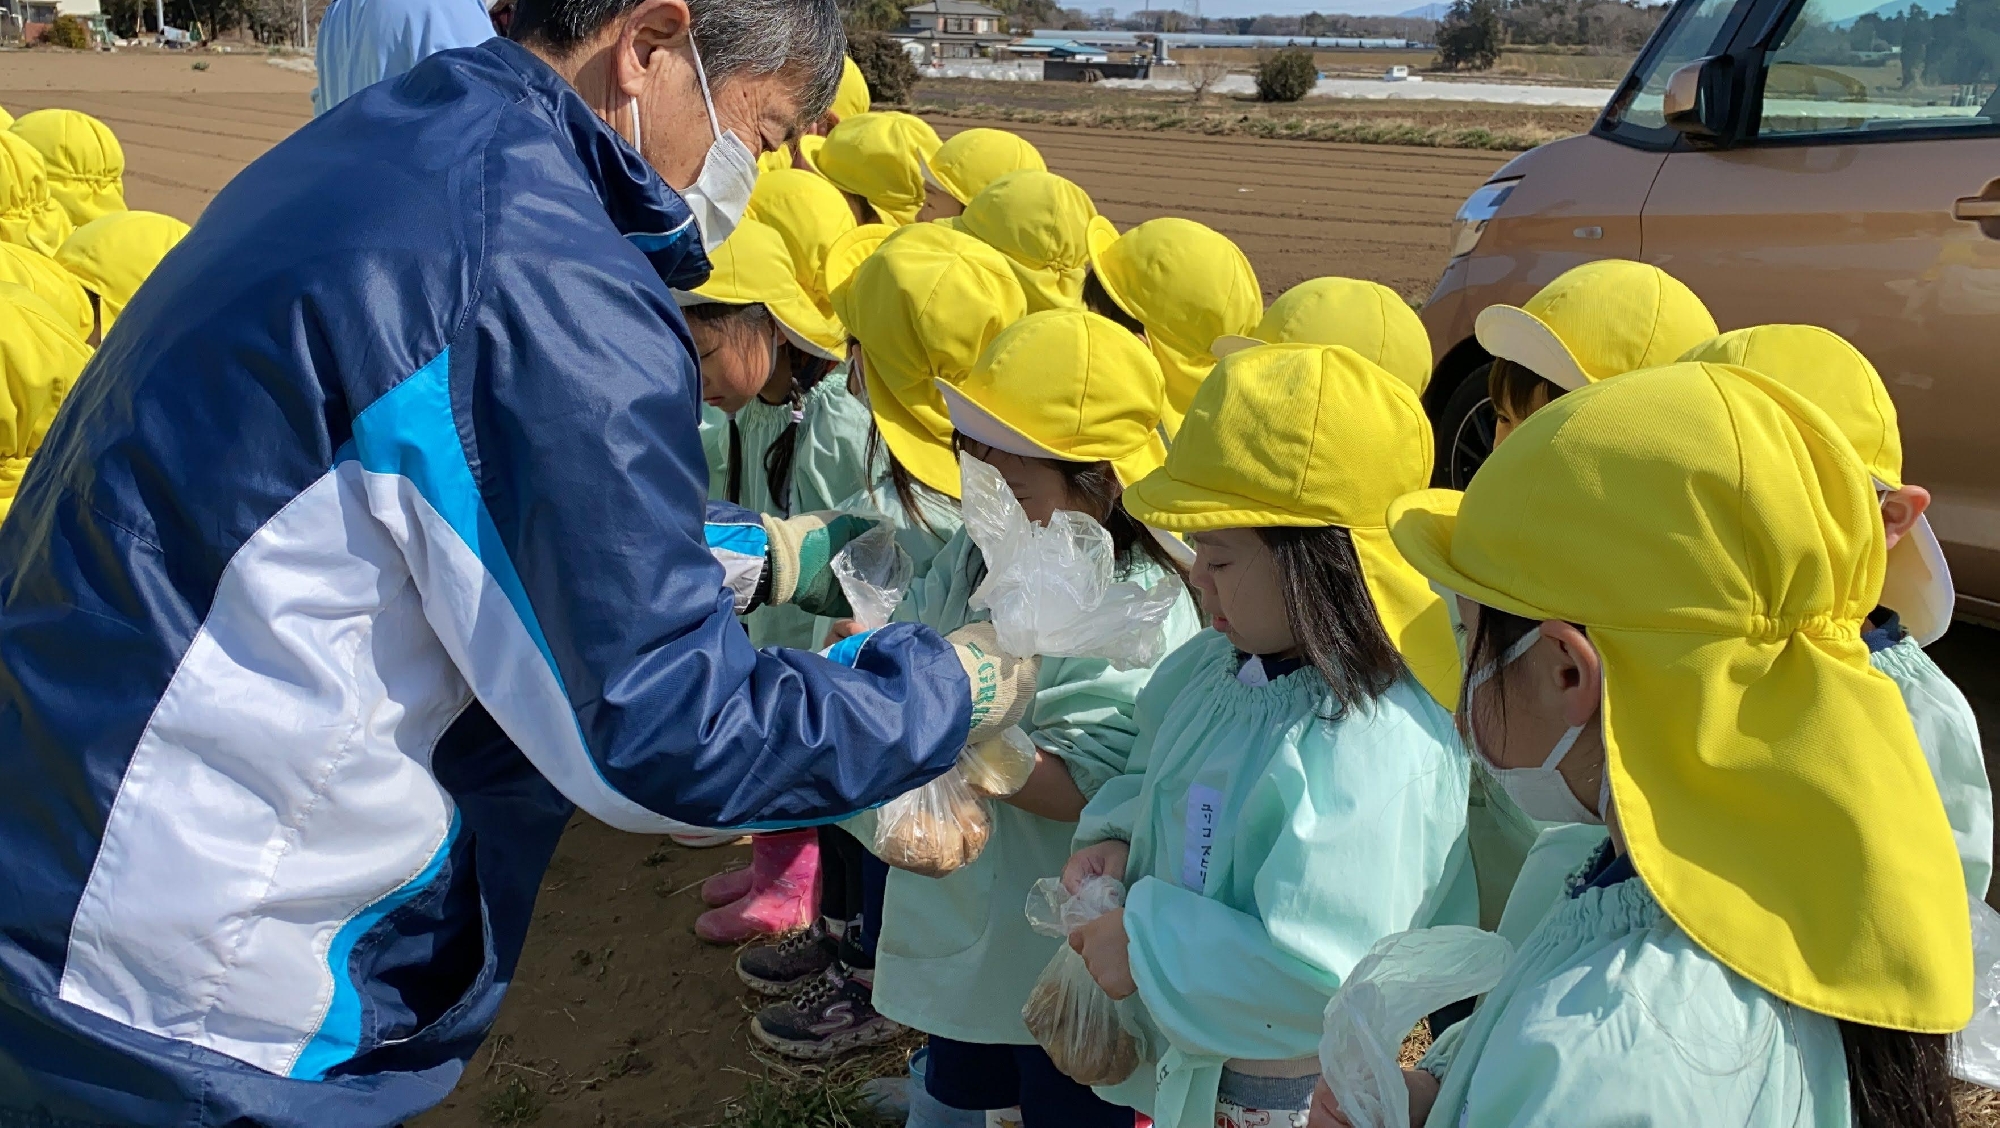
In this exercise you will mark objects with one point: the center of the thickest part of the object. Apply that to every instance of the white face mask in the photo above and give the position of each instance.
(1540, 792)
(721, 191)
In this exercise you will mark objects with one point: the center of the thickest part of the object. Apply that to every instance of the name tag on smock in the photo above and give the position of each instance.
(1204, 815)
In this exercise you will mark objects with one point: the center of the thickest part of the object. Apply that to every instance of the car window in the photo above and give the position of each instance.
(1861, 66)
(1691, 35)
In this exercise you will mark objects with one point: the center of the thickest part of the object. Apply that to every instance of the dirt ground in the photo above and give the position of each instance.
(618, 1016)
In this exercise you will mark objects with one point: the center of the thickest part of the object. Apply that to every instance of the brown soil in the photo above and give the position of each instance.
(617, 1015)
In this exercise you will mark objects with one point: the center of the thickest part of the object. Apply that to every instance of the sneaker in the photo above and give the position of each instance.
(833, 1015)
(784, 967)
(706, 839)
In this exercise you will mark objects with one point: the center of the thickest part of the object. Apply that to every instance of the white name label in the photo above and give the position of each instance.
(1204, 812)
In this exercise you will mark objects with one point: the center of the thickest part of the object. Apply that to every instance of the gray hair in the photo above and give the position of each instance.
(735, 37)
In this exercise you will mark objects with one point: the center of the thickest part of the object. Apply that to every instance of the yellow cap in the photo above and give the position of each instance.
(880, 156)
(753, 267)
(51, 283)
(1067, 385)
(1041, 222)
(853, 98)
(1367, 317)
(113, 254)
(924, 306)
(1716, 536)
(846, 255)
(1311, 436)
(1597, 321)
(790, 155)
(810, 214)
(1821, 366)
(86, 165)
(40, 359)
(1187, 284)
(29, 216)
(974, 158)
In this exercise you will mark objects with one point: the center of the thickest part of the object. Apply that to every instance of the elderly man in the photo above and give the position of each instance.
(371, 541)
(362, 42)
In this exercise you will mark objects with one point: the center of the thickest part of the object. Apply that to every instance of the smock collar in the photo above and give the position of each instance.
(641, 205)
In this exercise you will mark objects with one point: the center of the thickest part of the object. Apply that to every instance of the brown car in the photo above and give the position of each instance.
(1834, 163)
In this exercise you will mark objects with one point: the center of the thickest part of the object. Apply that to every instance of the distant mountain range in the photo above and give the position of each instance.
(1437, 11)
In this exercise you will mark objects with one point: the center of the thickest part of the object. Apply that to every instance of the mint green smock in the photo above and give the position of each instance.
(956, 957)
(829, 450)
(1949, 734)
(1610, 1015)
(1324, 836)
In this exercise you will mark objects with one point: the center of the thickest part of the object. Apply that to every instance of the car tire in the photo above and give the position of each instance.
(1464, 431)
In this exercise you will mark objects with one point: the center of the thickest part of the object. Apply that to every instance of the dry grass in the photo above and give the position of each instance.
(1977, 1107)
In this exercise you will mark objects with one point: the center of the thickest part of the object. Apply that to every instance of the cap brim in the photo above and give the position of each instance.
(920, 452)
(973, 421)
(1421, 525)
(1917, 584)
(1231, 344)
(1165, 502)
(806, 344)
(1512, 333)
(1099, 236)
(1178, 550)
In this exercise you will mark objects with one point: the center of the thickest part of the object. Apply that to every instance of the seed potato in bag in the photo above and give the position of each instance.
(1067, 1012)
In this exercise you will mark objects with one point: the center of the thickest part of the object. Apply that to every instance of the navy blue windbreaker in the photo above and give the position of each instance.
(370, 542)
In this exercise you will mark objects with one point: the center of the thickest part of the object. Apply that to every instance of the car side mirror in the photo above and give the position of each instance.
(1696, 97)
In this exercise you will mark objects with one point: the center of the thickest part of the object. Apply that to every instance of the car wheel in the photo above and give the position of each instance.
(1464, 431)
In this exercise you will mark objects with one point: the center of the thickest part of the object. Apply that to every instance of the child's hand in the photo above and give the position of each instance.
(1102, 859)
(841, 628)
(1104, 947)
(1325, 1111)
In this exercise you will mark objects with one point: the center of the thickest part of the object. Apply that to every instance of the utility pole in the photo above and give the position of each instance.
(160, 17)
(305, 30)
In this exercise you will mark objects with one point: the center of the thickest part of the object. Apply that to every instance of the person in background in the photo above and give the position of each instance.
(1041, 222)
(768, 364)
(1917, 592)
(51, 283)
(29, 216)
(85, 163)
(1180, 285)
(40, 359)
(1297, 792)
(1367, 317)
(1065, 405)
(113, 255)
(1591, 323)
(918, 303)
(970, 160)
(363, 42)
(877, 159)
(1666, 577)
(380, 517)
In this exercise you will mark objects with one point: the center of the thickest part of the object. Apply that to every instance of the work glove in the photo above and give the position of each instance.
(802, 550)
(1002, 686)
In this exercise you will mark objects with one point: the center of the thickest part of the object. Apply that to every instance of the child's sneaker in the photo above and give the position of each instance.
(781, 968)
(832, 1016)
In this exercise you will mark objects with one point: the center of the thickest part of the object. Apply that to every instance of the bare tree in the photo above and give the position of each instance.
(1202, 75)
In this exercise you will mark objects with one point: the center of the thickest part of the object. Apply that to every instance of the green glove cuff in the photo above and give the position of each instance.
(802, 548)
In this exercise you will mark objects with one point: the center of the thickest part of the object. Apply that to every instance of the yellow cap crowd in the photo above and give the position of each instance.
(1648, 697)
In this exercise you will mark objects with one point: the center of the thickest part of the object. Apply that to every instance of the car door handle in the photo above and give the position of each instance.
(1975, 207)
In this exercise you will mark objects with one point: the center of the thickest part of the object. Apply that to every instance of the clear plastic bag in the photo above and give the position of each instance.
(1067, 1012)
(1001, 766)
(1975, 1051)
(1050, 588)
(874, 573)
(1402, 978)
(936, 829)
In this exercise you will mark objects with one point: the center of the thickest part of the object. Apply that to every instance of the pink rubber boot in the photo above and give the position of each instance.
(727, 887)
(784, 888)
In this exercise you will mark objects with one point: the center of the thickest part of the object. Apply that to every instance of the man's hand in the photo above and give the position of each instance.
(801, 551)
(1106, 952)
(1002, 686)
(1103, 859)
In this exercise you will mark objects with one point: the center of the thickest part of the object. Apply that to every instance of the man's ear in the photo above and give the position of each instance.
(655, 25)
(1579, 672)
(1900, 510)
